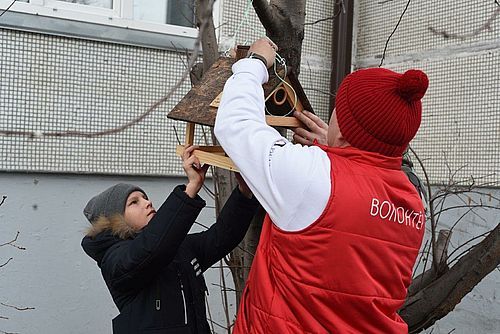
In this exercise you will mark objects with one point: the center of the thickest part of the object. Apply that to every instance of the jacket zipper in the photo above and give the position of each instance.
(183, 299)
(158, 297)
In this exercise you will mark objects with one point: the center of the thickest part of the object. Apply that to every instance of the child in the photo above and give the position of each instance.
(152, 267)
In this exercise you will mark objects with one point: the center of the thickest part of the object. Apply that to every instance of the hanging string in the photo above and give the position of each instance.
(281, 61)
(278, 60)
(238, 28)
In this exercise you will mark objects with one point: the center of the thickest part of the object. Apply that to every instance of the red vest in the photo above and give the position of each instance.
(347, 272)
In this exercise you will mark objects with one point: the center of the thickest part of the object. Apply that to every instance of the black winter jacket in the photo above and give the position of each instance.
(155, 278)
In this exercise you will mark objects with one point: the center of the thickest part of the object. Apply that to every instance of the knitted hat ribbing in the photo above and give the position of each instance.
(379, 110)
(110, 202)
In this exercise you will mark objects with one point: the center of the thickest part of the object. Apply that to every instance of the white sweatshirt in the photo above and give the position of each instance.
(291, 181)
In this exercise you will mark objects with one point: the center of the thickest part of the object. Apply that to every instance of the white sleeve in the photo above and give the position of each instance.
(292, 182)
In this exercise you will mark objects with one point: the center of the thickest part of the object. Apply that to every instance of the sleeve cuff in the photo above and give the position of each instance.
(252, 66)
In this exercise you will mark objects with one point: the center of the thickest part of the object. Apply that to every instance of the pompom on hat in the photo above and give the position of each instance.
(379, 110)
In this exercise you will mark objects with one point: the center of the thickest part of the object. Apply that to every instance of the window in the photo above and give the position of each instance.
(177, 12)
(143, 22)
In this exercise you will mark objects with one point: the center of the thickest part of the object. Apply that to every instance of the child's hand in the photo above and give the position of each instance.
(194, 171)
(315, 129)
(242, 185)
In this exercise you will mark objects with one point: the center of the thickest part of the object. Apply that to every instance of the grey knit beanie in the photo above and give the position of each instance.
(111, 201)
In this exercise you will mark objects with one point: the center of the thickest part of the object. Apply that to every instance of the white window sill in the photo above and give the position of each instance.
(175, 38)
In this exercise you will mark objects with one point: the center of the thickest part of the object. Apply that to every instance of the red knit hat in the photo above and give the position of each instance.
(379, 110)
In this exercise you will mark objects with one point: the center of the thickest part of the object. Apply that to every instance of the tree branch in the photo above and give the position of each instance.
(340, 10)
(477, 31)
(431, 203)
(468, 206)
(154, 106)
(11, 243)
(17, 307)
(4, 332)
(4, 264)
(392, 33)
(440, 297)
(266, 15)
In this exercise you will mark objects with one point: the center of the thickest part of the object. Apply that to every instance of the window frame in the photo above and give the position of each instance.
(115, 25)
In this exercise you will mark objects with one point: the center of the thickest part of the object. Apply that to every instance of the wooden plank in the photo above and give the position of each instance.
(291, 97)
(284, 122)
(213, 149)
(213, 159)
(189, 134)
(216, 102)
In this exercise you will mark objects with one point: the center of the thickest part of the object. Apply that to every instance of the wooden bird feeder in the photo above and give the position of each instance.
(200, 104)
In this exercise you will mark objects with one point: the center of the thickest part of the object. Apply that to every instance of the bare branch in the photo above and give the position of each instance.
(176, 135)
(319, 91)
(432, 303)
(431, 205)
(392, 33)
(213, 322)
(224, 294)
(3, 200)
(467, 206)
(3, 265)
(486, 26)
(209, 318)
(420, 257)
(11, 243)
(341, 9)
(4, 332)
(17, 307)
(463, 245)
(154, 106)
(223, 287)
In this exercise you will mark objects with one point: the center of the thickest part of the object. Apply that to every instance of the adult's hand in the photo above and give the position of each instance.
(265, 48)
(315, 129)
(194, 171)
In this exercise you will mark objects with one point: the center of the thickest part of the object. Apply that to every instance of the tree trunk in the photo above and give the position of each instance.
(284, 23)
(437, 299)
(204, 9)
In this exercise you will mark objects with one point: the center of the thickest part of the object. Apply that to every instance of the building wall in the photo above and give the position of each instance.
(53, 274)
(53, 84)
(458, 45)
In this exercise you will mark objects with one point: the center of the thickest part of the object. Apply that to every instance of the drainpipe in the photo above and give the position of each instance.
(341, 46)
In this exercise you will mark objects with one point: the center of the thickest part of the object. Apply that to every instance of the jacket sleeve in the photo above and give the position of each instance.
(232, 224)
(130, 264)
